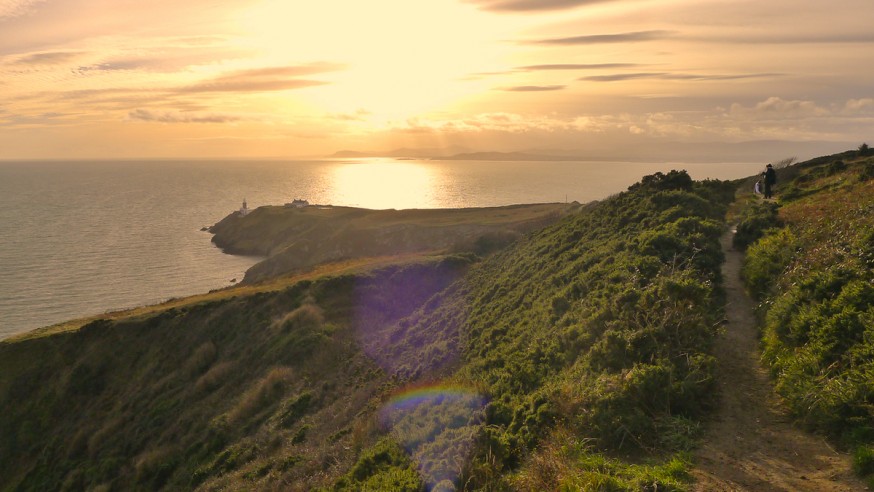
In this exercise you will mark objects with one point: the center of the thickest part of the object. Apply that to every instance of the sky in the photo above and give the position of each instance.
(605, 79)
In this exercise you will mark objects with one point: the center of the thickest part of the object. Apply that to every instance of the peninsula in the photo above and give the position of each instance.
(293, 239)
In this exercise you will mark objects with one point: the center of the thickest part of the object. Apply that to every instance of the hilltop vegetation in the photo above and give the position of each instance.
(811, 264)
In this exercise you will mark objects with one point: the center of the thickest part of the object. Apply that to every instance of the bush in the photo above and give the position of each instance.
(383, 467)
(753, 222)
(267, 391)
(766, 260)
(863, 460)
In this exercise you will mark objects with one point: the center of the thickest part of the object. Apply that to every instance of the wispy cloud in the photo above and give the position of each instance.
(15, 8)
(794, 38)
(773, 117)
(551, 67)
(625, 37)
(180, 117)
(47, 58)
(619, 77)
(265, 79)
(533, 88)
(575, 66)
(359, 115)
(531, 5)
(777, 108)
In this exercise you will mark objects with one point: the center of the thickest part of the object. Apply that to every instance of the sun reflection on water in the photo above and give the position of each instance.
(382, 184)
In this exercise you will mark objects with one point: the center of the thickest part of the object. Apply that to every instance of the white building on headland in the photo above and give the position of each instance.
(244, 210)
(296, 203)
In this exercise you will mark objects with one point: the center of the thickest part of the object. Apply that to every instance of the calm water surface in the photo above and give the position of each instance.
(83, 238)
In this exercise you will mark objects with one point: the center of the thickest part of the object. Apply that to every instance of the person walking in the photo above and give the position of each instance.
(770, 179)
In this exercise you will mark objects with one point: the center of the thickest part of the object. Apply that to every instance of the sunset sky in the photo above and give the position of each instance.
(272, 78)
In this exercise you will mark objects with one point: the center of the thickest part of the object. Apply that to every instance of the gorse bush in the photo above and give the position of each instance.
(766, 261)
(753, 222)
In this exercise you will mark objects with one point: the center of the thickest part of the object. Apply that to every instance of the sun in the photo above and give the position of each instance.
(401, 58)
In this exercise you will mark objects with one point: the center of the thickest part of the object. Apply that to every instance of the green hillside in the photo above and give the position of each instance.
(579, 356)
(813, 271)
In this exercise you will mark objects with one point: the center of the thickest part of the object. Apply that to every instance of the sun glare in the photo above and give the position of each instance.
(382, 184)
(396, 66)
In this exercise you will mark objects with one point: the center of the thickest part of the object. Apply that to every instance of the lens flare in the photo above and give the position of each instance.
(437, 425)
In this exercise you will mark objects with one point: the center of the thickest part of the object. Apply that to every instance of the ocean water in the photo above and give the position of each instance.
(83, 238)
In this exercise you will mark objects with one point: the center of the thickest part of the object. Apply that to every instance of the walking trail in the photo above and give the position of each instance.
(751, 445)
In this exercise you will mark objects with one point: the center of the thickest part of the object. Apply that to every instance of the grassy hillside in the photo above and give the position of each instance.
(812, 268)
(590, 337)
(578, 356)
(226, 391)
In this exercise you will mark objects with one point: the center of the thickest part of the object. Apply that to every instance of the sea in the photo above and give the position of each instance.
(82, 238)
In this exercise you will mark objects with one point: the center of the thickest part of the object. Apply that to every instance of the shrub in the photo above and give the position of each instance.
(383, 467)
(754, 221)
(269, 389)
(308, 317)
(863, 460)
(201, 358)
(766, 260)
(214, 377)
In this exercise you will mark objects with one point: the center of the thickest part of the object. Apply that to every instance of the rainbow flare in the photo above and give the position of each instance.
(437, 425)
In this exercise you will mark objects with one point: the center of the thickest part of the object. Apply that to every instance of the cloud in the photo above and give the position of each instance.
(550, 67)
(771, 118)
(47, 58)
(530, 5)
(503, 122)
(533, 88)
(265, 79)
(187, 52)
(832, 38)
(618, 77)
(16, 8)
(180, 117)
(359, 115)
(855, 106)
(625, 37)
(776, 108)
(575, 66)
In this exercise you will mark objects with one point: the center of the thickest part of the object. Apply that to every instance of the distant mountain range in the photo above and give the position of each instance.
(463, 156)
(751, 151)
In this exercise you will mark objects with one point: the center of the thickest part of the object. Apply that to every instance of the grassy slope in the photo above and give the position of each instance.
(814, 272)
(235, 389)
(575, 357)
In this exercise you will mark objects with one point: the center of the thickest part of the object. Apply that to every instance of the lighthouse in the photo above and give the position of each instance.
(244, 210)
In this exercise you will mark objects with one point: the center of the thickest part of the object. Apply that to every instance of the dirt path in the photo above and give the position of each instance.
(751, 444)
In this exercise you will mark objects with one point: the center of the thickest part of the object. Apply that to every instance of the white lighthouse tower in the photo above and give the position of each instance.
(244, 210)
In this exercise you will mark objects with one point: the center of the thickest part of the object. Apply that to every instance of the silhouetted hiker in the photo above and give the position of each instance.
(770, 180)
